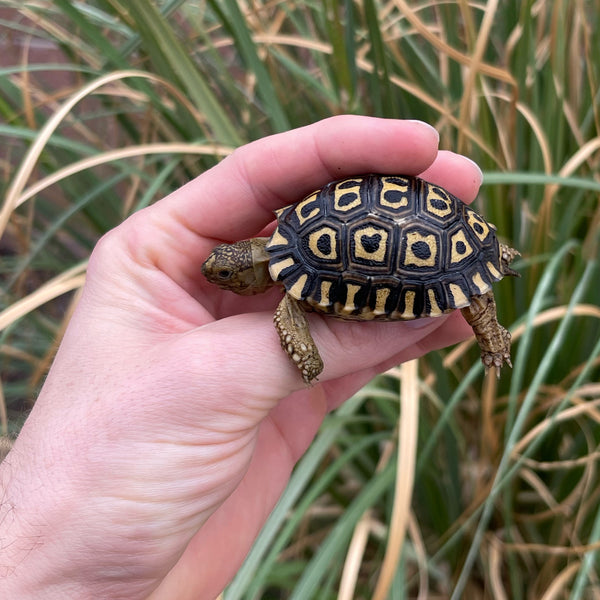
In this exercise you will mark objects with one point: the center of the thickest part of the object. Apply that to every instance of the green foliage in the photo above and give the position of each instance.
(135, 98)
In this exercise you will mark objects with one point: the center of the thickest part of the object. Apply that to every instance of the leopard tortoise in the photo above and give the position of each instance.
(373, 247)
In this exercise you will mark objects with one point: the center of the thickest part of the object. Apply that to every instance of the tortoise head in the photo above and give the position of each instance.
(241, 267)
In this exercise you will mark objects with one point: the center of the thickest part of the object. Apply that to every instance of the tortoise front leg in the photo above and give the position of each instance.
(292, 326)
(492, 338)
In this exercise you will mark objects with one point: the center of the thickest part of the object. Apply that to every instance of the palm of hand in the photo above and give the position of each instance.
(200, 416)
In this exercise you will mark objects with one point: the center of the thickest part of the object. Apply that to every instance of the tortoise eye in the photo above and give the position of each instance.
(224, 274)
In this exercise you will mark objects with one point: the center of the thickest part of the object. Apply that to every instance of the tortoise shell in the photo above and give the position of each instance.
(383, 247)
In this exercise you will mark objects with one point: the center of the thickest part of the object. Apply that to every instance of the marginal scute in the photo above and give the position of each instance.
(351, 291)
(277, 239)
(493, 270)
(277, 267)
(458, 296)
(296, 290)
(408, 311)
(434, 309)
(480, 284)
(324, 301)
(381, 296)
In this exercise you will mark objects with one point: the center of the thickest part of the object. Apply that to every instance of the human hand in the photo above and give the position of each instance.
(171, 419)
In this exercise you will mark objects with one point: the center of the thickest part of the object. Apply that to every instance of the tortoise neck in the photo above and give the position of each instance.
(260, 262)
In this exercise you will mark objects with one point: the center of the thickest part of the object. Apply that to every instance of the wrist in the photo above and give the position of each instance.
(63, 536)
(35, 553)
(21, 544)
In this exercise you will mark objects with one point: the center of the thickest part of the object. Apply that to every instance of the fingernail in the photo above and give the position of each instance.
(476, 167)
(427, 125)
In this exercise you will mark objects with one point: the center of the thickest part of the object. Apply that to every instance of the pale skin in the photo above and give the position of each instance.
(170, 421)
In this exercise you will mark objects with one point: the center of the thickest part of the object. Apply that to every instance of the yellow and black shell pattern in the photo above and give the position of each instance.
(383, 247)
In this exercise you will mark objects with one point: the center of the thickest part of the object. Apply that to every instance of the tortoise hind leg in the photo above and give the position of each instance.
(292, 326)
(492, 338)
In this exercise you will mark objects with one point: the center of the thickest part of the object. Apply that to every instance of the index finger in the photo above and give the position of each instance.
(236, 198)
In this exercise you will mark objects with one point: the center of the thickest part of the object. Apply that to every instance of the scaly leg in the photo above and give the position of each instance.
(492, 338)
(292, 326)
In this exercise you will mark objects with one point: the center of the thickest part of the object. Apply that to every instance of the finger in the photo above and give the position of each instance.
(237, 198)
(456, 173)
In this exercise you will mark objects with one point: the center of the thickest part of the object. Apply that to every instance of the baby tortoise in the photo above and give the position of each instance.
(373, 247)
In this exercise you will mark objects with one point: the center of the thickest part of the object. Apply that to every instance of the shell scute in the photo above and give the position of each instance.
(421, 251)
(395, 197)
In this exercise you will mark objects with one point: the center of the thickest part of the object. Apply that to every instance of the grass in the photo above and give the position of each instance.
(119, 107)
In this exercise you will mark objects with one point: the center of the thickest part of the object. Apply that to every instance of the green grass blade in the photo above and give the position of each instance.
(173, 62)
(336, 543)
(249, 53)
(549, 357)
(319, 487)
